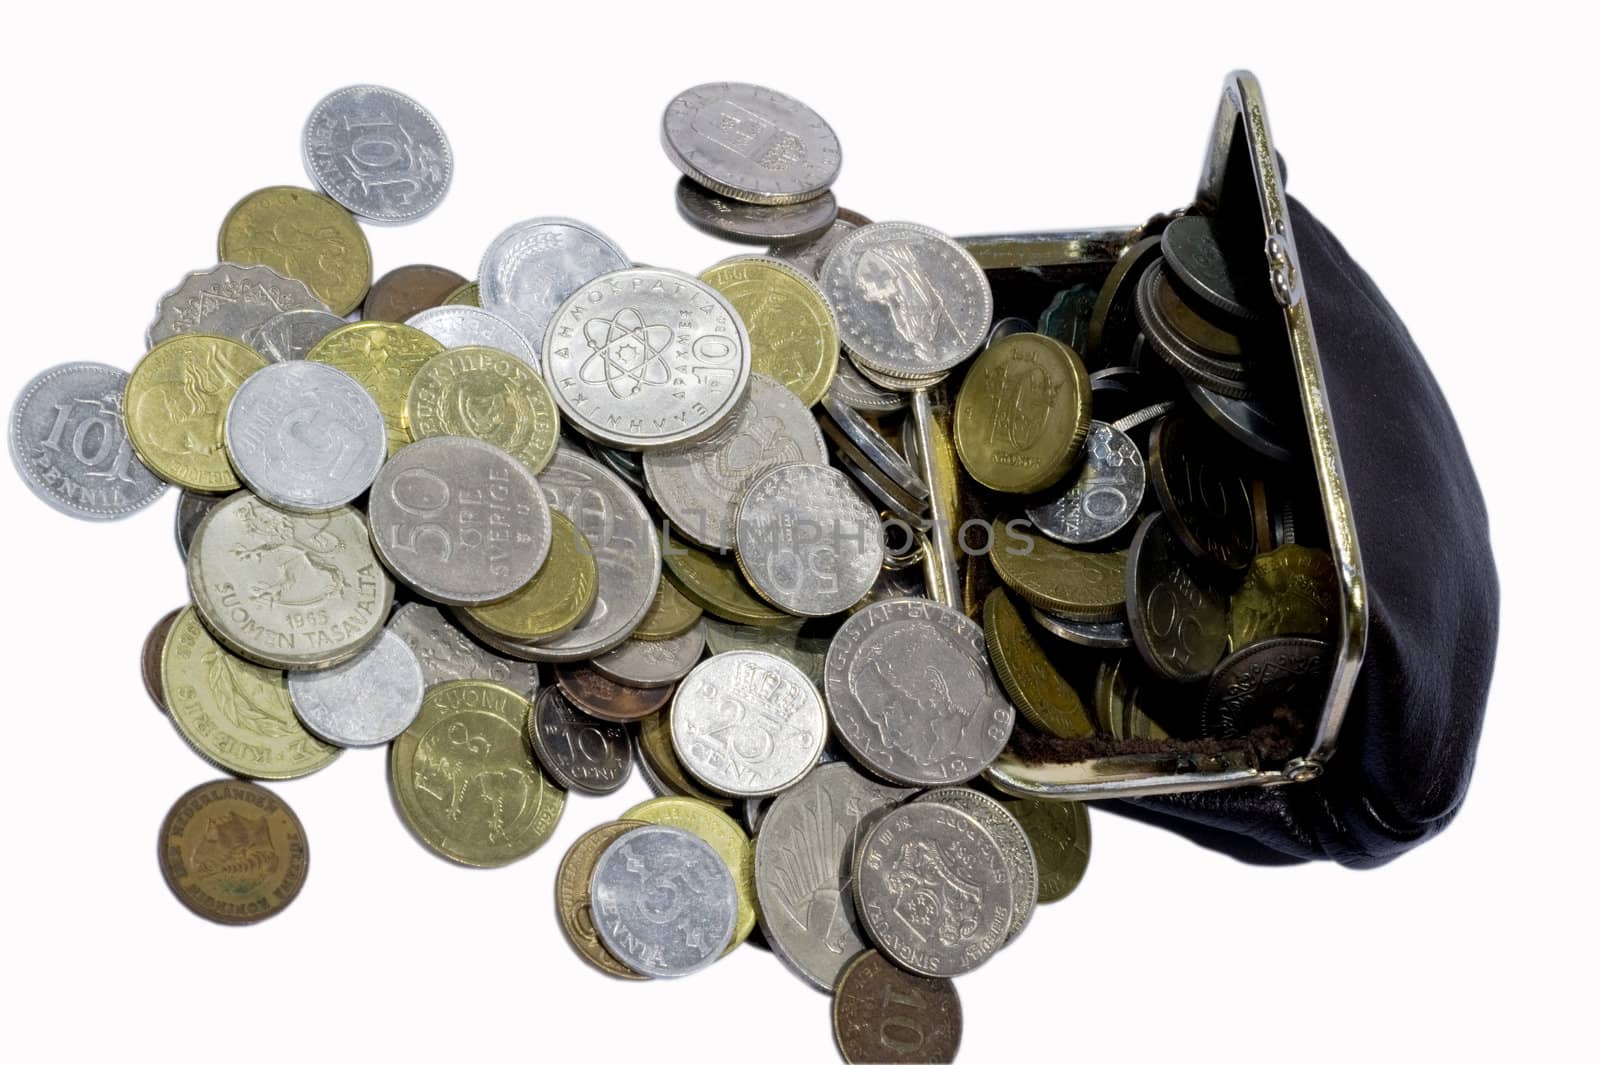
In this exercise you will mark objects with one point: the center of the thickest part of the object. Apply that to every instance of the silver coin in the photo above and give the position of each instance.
(791, 642)
(751, 223)
(304, 436)
(657, 786)
(645, 358)
(873, 448)
(664, 902)
(910, 301)
(459, 520)
(652, 663)
(804, 869)
(1248, 420)
(933, 890)
(580, 752)
(807, 541)
(1102, 634)
(228, 300)
(377, 153)
(750, 143)
(288, 336)
(854, 390)
(747, 724)
(906, 583)
(807, 256)
(446, 653)
(473, 327)
(877, 487)
(192, 509)
(531, 269)
(912, 695)
(368, 700)
(902, 384)
(629, 465)
(754, 811)
(70, 446)
(292, 591)
(1021, 865)
(1144, 415)
(1103, 494)
(699, 487)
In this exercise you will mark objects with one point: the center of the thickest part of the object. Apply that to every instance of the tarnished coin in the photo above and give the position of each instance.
(1067, 316)
(652, 663)
(793, 338)
(663, 901)
(1205, 497)
(671, 614)
(291, 335)
(753, 223)
(1098, 634)
(473, 327)
(804, 868)
(408, 290)
(150, 658)
(1101, 498)
(384, 357)
(233, 852)
(599, 696)
(304, 436)
(294, 591)
(1190, 324)
(558, 596)
(807, 256)
(1124, 690)
(531, 268)
(795, 642)
(573, 905)
(1059, 832)
(487, 394)
(1177, 616)
(1192, 248)
(1229, 376)
(645, 358)
(1022, 414)
(700, 486)
(1112, 324)
(1290, 591)
(579, 752)
(466, 780)
(716, 585)
(459, 520)
(303, 235)
(1030, 679)
(887, 1016)
(1251, 686)
(1015, 847)
(1085, 585)
(1005, 327)
(909, 300)
(747, 724)
(174, 405)
(446, 653)
(660, 765)
(378, 152)
(751, 143)
(724, 836)
(69, 443)
(1249, 421)
(807, 541)
(227, 300)
(912, 696)
(235, 714)
(903, 863)
(192, 509)
(368, 700)
(855, 391)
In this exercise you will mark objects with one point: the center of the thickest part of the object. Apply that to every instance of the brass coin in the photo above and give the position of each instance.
(405, 290)
(1059, 832)
(887, 1016)
(670, 615)
(1112, 323)
(233, 852)
(466, 780)
(724, 835)
(1022, 414)
(487, 394)
(1206, 499)
(1292, 591)
(1033, 684)
(1251, 686)
(150, 660)
(384, 357)
(1082, 585)
(655, 749)
(303, 235)
(793, 336)
(465, 296)
(600, 696)
(572, 896)
(1212, 339)
(235, 714)
(1177, 616)
(1122, 689)
(716, 586)
(558, 597)
(174, 405)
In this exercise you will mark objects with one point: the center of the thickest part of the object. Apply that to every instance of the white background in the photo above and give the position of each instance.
(1451, 154)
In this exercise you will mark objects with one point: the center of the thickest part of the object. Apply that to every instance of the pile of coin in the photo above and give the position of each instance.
(719, 526)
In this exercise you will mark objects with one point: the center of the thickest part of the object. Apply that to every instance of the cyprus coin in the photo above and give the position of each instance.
(532, 267)
(228, 300)
(303, 235)
(174, 404)
(377, 152)
(473, 327)
(747, 723)
(291, 335)
(664, 901)
(751, 143)
(447, 653)
(1008, 835)
(487, 394)
(580, 752)
(807, 541)
(368, 700)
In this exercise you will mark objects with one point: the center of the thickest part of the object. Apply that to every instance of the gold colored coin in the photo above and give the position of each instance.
(235, 714)
(233, 852)
(572, 896)
(1121, 688)
(655, 748)
(1059, 832)
(487, 394)
(465, 296)
(465, 778)
(670, 615)
(384, 357)
(1022, 414)
(793, 336)
(725, 837)
(303, 235)
(1290, 591)
(1081, 585)
(716, 586)
(558, 597)
(1024, 669)
(174, 406)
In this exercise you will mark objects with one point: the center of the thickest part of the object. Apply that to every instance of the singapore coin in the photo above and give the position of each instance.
(1103, 495)
(558, 596)
(807, 256)
(599, 696)
(750, 143)
(581, 753)
(473, 327)
(1035, 686)
(1176, 614)
(228, 300)
(1059, 832)
(447, 653)
(887, 1016)
(291, 335)
(174, 405)
(724, 836)
(640, 869)
(747, 724)
(368, 700)
(652, 663)
(572, 896)
(192, 508)
(303, 235)
(409, 290)
(150, 658)
(807, 541)
(487, 394)
(377, 152)
(233, 852)
(384, 357)
(532, 267)
(1022, 414)
(1015, 848)
(753, 223)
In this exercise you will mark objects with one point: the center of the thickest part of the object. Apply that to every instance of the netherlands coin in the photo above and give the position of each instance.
(303, 235)
(715, 584)
(579, 752)
(446, 653)
(753, 223)
(1035, 686)
(747, 724)
(1022, 414)
(487, 394)
(227, 300)
(1192, 248)
(807, 541)
(793, 338)
(663, 901)
(912, 696)
(1015, 848)
(887, 1016)
(1059, 832)
(384, 357)
(174, 404)
(724, 836)
(1101, 498)
(70, 445)
(1204, 495)
(409, 290)
(233, 852)
(671, 614)
(793, 642)
(854, 390)
(1178, 618)
(377, 152)
(150, 659)
(192, 509)
(1290, 591)
(1098, 634)
(368, 700)
(459, 520)
(1085, 585)
(473, 327)
(807, 256)
(652, 663)
(599, 696)
(557, 598)
(292, 334)
(531, 269)
(573, 905)
(750, 143)
(304, 436)
(1251, 686)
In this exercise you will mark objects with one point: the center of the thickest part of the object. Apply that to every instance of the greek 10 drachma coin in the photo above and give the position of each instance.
(1021, 866)
(473, 327)
(747, 724)
(304, 436)
(582, 753)
(69, 443)
(378, 152)
(663, 901)
(228, 300)
(1101, 498)
(446, 653)
(233, 852)
(459, 520)
(750, 143)
(911, 693)
(645, 358)
(290, 335)
(530, 269)
(368, 700)
(807, 541)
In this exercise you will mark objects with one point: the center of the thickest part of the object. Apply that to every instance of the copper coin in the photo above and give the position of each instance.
(604, 698)
(1287, 673)
(233, 852)
(150, 661)
(405, 290)
(881, 1013)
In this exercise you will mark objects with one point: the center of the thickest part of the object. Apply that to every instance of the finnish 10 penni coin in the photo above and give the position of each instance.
(663, 901)
(227, 300)
(368, 700)
(747, 723)
(750, 143)
(473, 327)
(378, 152)
(487, 394)
(807, 541)
(531, 268)
(580, 752)
(233, 852)
(883, 1015)
(446, 653)
(174, 405)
